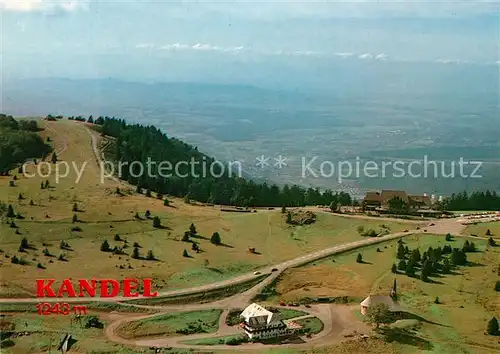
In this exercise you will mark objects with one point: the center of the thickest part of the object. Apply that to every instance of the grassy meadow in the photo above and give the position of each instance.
(103, 213)
(467, 297)
(172, 324)
(480, 229)
(46, 332)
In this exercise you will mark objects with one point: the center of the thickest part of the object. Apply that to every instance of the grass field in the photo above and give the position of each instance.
(481, 228)
(46, 332)
(103, 214)
(178, 323)
(311, 325)
(468, 300)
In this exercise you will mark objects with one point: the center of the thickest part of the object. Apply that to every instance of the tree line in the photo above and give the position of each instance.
(19, 141)
(138, 143)
(477, 200)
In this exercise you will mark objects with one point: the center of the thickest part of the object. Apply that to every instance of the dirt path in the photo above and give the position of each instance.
(65, 141)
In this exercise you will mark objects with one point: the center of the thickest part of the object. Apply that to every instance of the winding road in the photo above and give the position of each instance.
(338, 319)
(301, 260)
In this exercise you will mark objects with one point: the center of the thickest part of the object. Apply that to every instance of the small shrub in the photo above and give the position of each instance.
(150, 256)
(493, 329)
(156, 222)
(135, 253)
(215, 239)
(105, 246)
(23, 261)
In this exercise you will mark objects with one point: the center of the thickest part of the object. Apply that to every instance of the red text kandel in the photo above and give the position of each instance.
(94, 287)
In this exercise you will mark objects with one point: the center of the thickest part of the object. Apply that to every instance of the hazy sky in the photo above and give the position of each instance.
(180, 40)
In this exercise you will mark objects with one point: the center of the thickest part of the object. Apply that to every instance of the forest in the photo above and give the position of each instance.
(19, 141)
(477, 200)
(138, 143)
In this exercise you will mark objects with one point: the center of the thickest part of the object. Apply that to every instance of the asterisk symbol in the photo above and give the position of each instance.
(262, 161)
(280, 161)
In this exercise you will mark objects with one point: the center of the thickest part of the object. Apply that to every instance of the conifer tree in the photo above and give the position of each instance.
(394, 269)
(10, 211)
(493, 327)
(215, 239)
(105, 246)
(402, 265)
(401, 252)
(192, 229)
(156, 222)
(135, 253)
(24, 244)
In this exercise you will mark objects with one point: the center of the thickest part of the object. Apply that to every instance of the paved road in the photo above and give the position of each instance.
(301, 260)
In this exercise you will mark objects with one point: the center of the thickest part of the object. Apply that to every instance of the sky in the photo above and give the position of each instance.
(213, 40)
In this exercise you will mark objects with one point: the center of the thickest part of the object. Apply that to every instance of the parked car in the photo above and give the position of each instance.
(256, 273)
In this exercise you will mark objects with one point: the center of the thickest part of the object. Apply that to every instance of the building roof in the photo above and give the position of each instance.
(390, 194)
(420, 199)
(373, 197)
(381, 299)
(257, 316)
